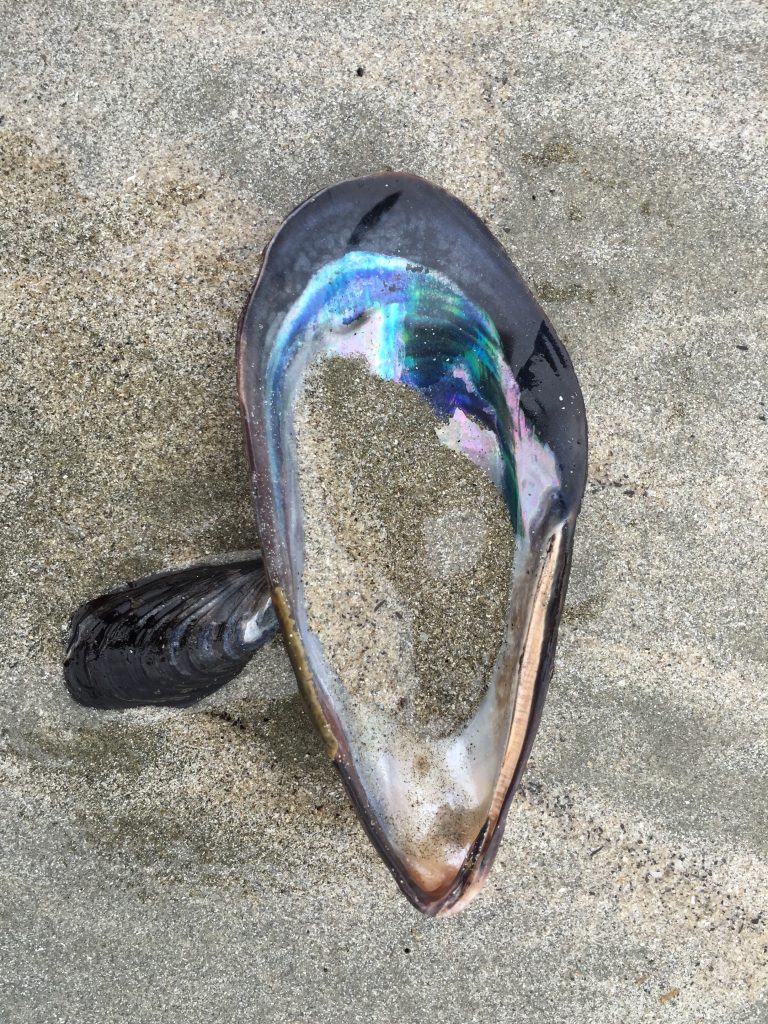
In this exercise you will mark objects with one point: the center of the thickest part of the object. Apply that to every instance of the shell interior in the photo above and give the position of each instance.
(402, 302)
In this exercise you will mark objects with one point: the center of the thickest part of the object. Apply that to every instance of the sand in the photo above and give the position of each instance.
(408, 548)
(162, 867)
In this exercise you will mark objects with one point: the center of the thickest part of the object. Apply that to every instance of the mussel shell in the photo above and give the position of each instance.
(170, 638)
(404, 217)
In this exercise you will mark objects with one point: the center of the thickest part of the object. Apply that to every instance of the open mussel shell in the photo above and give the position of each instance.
(390, 270)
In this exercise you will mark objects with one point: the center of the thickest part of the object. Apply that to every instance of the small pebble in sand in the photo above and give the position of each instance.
(408, 548)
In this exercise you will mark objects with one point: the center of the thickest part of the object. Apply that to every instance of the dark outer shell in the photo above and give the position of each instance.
(169, 638)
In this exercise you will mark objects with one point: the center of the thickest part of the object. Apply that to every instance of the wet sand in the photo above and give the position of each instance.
(408, 548)
(161, 867)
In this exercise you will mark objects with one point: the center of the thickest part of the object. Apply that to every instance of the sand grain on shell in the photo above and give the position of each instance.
(408, 548)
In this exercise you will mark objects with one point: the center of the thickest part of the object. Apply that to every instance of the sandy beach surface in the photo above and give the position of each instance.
(204, 865)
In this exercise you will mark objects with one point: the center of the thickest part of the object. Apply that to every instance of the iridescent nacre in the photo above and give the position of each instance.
(395, 272)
